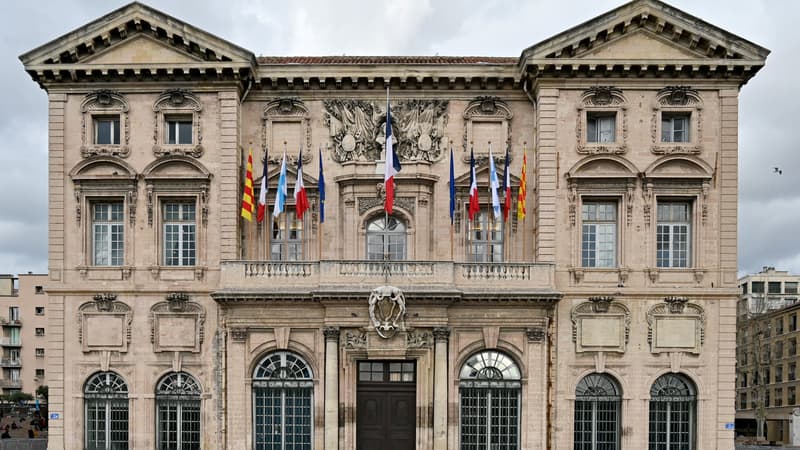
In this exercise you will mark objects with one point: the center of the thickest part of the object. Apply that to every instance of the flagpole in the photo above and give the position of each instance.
(386, 188)
(452, 211)
(524, 218)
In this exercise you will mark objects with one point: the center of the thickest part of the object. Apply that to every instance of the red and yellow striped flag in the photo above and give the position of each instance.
(247, 196)
(523, 188)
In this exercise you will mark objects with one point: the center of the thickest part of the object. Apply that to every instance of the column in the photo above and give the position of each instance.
(331, 387)
(440, 338)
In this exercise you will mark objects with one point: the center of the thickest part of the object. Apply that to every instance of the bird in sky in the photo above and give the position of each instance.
(777, 170)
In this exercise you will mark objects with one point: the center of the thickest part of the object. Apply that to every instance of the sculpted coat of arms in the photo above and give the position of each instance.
(387, 310)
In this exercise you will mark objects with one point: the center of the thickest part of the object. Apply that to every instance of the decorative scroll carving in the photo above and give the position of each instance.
(387, 310)
(487, 109)
(110, 323)
(677, 99)
(286, 110)
(331, 333)
(572, 196)
(602, 99)
(600, 304)
(415, 339)
(601, 324)
(647, 196)
(357, 128)
(177, 324)
(179, 102)
(238, 334)
(676, 325)
(536, 334)
(105, 302)
(367, 203)
(355, 340)
(108, 104)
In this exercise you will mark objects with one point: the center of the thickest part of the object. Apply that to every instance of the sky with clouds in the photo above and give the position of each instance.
(769, 203)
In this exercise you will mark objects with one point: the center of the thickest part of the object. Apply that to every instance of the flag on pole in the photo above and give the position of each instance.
(392, 161)
(300, 197)
(321, 188)
(523, 189)
(474, 206)
(280, 196)
(262, 195)
(506, 190)
(247, 196)
(452, 189)
(494, 185)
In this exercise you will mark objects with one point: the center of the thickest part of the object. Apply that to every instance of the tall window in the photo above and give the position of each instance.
(485, 237)
(598, 405)
(282, 403)
(599, 234)
(13, 313)
(106, 400)
(675, 127)
(106, 131)
(108, 234)
(179, 234)
(386, 239)
(673, 402)
(178, 412)
(673, 234)
(286, 243)
(601, 127)
(489, 387)
(179, 130)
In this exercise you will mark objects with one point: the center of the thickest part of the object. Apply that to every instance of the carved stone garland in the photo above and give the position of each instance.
(602, 99)
(681, 99)
(177, 102)
(282, 110)
(104, 103)
(357, 128)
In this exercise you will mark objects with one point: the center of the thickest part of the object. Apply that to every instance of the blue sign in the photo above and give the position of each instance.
(730, 426)
(54, 416)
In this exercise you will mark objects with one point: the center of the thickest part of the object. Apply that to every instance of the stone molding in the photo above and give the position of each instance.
(105, 103)
(177, 102)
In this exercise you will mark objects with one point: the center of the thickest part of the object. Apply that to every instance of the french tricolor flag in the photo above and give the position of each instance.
(392, 162)
(474, 205)
(300, 197)
(262, 196)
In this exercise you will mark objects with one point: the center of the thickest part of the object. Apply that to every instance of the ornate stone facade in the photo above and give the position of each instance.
(580, 286)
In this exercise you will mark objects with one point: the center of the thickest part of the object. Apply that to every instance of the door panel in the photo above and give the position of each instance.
(386, 412)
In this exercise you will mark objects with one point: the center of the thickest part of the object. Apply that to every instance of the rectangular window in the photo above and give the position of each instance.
(286, 241)
(673, 234)
(744, 380)
(744, 289)
(792, 346)
(40, 353)
(14, 375)
(40, 331)
(757, 287)
(793, 322)
(790, 287)
(599, 234)
(108, 234)
(601, 127)
(179, 130)
(778, 396)
(13, 313)
(791, 372)
(779, 374)
(179, 234)
(675, 127)
(485, 235)
(778, 326)
(774, 287)
(767, 397)
(743, 400)
(106, 131)
(40, 310)
(39, 290)
(779, 350)
(791, 395)
(40, 373)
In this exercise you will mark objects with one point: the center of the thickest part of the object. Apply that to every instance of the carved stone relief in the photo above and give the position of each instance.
(367, 203)
(357, 128)
(677, 99)
(355, 340)
(104, 324)
(601, 324)
(177, 324)
(105, 104)
(602, 99)
(177, 102)
(287, 111)
(419, 339)
(676, 325)
(387, 310)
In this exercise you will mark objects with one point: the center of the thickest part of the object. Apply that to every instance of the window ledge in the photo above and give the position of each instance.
(105, 272)
(121, 151)
(178, 273)
(602, 148)
(675, 274)
(193, 150)
(676, 148)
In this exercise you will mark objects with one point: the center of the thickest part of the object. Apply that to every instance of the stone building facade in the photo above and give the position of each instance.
(611, 305)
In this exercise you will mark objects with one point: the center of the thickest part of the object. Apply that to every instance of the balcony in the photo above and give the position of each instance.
(10, 323)
(8, 342)
(10, 362)
(255, 277)
(10, 384)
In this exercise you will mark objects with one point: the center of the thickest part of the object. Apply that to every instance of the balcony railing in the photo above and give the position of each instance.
(314, 275)
(10, 323)
(10, 384)
(8, 342)
(9, 362)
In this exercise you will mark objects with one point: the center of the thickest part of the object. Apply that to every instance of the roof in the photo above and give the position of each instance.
(339, 60)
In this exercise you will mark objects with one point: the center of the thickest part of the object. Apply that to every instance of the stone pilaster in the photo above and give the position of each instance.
(440, 338)
(331, 387)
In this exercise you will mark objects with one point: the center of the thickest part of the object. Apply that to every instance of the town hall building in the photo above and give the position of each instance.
(598, 313)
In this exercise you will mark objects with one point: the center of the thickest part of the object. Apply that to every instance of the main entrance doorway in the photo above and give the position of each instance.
(386, 405)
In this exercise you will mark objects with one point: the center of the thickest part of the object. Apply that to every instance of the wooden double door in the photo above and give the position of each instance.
(386, 405)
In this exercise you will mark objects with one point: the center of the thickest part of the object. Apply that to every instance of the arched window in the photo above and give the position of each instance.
(178, 412)
(489, 386)
(282, 404)
(673, 401)
(386, 238)
(106, 400)
(597, 413)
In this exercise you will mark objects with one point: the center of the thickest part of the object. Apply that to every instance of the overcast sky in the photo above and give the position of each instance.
(769, 204)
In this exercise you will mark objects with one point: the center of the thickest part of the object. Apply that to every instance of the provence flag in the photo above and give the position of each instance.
(247, 196)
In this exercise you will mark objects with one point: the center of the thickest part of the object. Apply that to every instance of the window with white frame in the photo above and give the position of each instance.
(598, 407)
(673, 404)
(386, 239)
(106, 130)
(108, 233)
(105, 397)
(673, 234)
(178, 412)
(599, 233)
(179, 233)
(13, 313)
(178, 130)
(601, 127)
(485, 235)
(286, 239)
(675, 126)
(282, 402)
(40, 353)
(489, 392)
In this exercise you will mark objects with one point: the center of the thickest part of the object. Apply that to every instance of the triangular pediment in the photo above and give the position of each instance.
(639, 45)
(142, 49)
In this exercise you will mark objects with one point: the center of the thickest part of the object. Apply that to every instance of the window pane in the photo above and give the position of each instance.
(673, 234)
(599, 234)
(108, 234)
(184, 132)
(179, 234)
(386, 239)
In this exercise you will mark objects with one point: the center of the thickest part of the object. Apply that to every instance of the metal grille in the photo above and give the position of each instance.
(597, 413)
(106, 403)
(178, 412)
(672, 413)
(282, 403)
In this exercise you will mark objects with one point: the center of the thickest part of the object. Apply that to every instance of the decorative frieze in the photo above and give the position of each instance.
(419, 339)
(355, 340)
